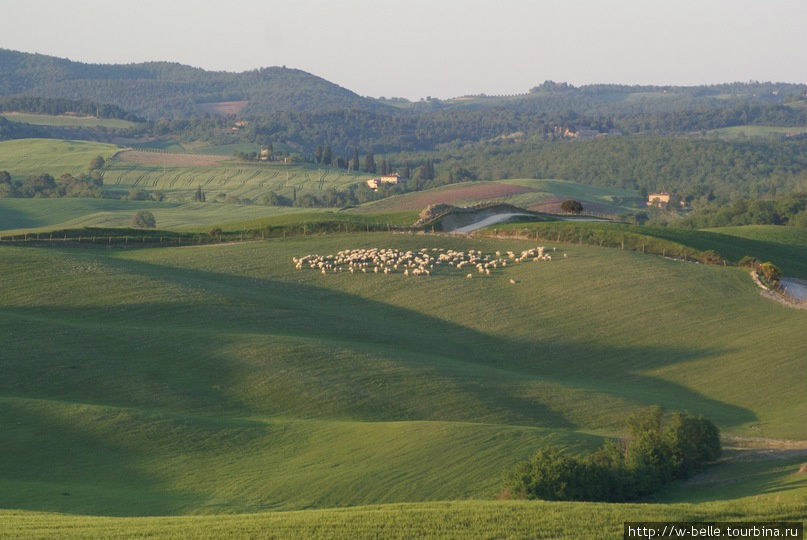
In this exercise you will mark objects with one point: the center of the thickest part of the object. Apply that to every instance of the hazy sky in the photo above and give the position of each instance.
(441, 48)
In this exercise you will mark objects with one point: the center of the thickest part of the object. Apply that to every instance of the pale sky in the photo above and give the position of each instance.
(440, 48)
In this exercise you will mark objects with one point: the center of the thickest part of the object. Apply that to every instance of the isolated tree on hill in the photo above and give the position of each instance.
(199, 196)
(144, 219)
(97, 162)
(5, 177)
(571, 206)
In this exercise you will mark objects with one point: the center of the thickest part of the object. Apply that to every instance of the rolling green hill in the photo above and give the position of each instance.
(176, 175)
(782, 245)
(66, 120)
(40, 215)
(525, 193)
(26, 157)
(164, 89)
(219, 379)
(230, 178)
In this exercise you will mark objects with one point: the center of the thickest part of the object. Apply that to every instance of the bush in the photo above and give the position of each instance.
(770, 272)
(749, 262)
(137, 195)
(97, 162)
(571, 206)
(656, 453)
(144, 219)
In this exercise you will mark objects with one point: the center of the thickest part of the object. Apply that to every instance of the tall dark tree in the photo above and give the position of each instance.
(318, 154)
(97, 162)
(405, 171)
(354, 163)
(327, 157)
(369, 163)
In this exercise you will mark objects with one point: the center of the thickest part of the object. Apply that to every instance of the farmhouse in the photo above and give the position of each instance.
(658, 199)
(393, 179)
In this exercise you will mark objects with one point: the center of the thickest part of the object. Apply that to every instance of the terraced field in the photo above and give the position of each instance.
(179, 175)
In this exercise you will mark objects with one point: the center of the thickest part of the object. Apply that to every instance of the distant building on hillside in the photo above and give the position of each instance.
(658, 199)
(663, 200)
(393, 179)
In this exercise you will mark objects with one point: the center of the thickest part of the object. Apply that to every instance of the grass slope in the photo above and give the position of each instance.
(27, 157)
(219, 379)
(40, 215)
(753, 131)
(534, 194)
(781, 245)
(233, 178)
(67, 120)
(466, 519)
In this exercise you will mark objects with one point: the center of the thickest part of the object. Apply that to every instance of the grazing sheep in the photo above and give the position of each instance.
(414, 263)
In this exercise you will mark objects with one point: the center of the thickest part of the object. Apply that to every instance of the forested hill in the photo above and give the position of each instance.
(171, 90)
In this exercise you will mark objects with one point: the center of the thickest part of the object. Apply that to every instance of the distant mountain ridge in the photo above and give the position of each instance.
(172, 90)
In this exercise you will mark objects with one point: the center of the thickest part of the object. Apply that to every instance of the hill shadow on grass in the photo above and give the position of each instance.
(269, 347)
(183, 351)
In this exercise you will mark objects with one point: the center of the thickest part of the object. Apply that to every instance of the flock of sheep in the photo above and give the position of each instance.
(416, 263)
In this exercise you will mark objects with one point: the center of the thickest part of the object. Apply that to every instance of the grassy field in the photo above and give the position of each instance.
(228, 178)
(787, 236)
(174, 174)
(782, 245)
(465, 519)
(67, 121)
(41, 215)
(750, 131)
(540, 195)
(209, 380)
(27, 157)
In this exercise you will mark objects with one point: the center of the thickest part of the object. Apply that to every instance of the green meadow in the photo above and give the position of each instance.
(534, 192)
(754, 131)
(220, 380)
(217, 391)
(41, 215)
(458, 519)
(228, 178)
(67, 120)
(28, 157)
(161, 172)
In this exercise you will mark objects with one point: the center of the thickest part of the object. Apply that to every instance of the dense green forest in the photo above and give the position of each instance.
(698, 169)
(170, 90)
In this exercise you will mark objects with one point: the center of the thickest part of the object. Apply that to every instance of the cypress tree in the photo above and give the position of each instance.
(354, 163)
(326, 155)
